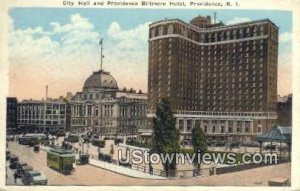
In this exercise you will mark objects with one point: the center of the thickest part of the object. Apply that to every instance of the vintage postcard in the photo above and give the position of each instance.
(166, 95)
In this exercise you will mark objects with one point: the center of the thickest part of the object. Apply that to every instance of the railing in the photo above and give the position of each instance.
(216, 113)
(177, 173)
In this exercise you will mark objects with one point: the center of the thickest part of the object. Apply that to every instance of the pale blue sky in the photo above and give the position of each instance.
(129, 18)
(64, 41)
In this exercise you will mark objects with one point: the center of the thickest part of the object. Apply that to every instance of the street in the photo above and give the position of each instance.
(90, 175)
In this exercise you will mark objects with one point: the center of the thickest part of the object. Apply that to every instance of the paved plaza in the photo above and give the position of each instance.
(91, 175)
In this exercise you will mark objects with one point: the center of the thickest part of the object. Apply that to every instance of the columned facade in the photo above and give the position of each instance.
(104, 109)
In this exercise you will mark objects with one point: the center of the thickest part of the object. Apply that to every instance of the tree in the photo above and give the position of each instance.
(165, 135)
(199, 143)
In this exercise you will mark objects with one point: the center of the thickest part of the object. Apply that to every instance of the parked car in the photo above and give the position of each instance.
(20, 164)
(36, 148)
(270, 147)
(252, 144)
(98, 143)
(105, 157)
(34, 178)
(7, 155)
(220, 144)
(13, 161)
(234, 145)
(95, 136)
(83, 159)
(21, 171)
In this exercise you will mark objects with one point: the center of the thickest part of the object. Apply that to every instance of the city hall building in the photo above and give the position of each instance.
(103, 108)
(220, 77)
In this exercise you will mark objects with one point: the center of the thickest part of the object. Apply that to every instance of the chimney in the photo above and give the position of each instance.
(46, 92)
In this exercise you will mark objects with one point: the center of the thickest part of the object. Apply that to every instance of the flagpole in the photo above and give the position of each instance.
(101, 59)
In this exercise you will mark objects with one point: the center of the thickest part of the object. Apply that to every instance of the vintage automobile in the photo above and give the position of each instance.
(7, 155)
(20, 164)
(13, 161)
(34, 178)
(22, 169)
(105, 157)
(270, 147)
(83, 159)
(98, 143)
(36, 148)
(73, 138)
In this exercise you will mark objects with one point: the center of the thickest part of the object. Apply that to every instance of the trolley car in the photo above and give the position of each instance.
(61, 160)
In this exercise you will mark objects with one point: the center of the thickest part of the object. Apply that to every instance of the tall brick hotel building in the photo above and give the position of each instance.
(220, 77)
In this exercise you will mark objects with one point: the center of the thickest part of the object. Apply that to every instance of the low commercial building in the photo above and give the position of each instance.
(43, 116)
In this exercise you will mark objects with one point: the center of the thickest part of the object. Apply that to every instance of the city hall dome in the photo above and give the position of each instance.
(100, 80)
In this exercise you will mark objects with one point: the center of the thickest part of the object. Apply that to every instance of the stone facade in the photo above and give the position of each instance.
(103, 108)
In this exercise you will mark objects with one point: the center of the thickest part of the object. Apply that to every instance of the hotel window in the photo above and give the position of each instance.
(185, 32)
(261, 28)
(170, 29)
(160, 31)
(153, 33)
(261, 65)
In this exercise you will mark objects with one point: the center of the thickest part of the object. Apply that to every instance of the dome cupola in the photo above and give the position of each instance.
(100, 80)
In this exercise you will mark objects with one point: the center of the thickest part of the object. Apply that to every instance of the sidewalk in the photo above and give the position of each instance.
(118, 169)
(123, 170)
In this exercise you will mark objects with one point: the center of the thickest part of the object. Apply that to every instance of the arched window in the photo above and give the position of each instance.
(259, 129)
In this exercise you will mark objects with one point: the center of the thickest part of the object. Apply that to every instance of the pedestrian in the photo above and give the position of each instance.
(15, 177)
(150, 169)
